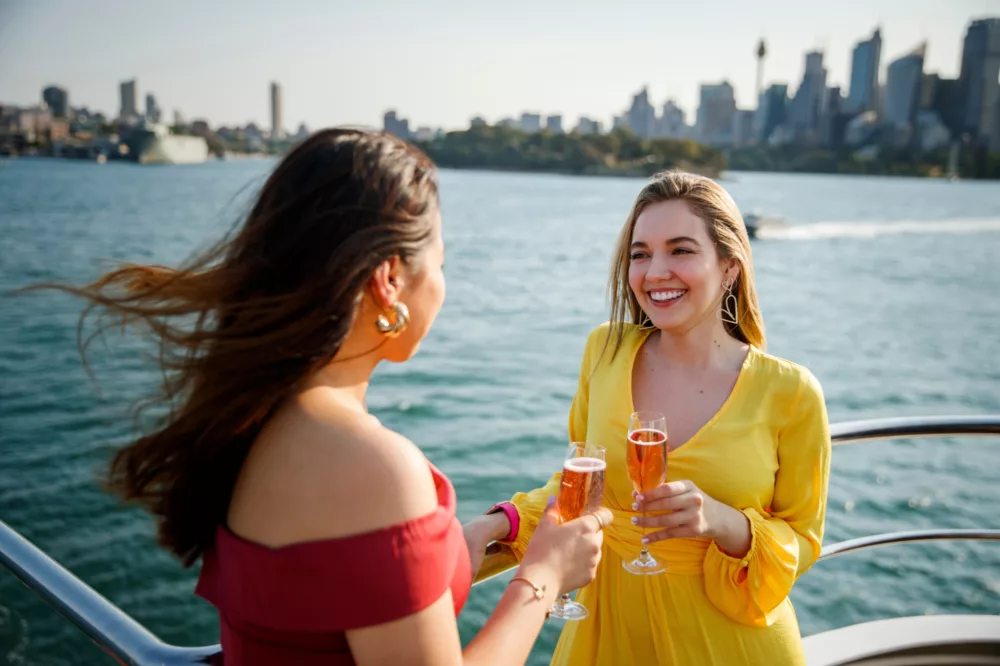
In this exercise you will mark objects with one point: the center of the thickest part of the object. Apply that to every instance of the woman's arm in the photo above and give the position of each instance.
(755, 557)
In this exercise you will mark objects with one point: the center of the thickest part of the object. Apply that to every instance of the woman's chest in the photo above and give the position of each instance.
(733, 458)
(689, 403)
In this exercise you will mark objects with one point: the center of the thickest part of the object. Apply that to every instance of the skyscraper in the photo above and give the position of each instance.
(980, 89)
(715, 113)
(57, 99)
(863, 95)
(641, 115)
(395, 125)
(153, 112)
(672, 124)
(902, 88)
(773, 111)
(277, 121)
(129, 103)
(808, 103)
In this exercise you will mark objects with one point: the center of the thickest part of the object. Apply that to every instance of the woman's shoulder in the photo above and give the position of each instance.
(318, 473)
(605, 336)
(785, 376)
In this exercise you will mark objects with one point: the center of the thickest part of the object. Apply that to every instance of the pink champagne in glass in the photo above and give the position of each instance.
(581, 491)
(646, 461)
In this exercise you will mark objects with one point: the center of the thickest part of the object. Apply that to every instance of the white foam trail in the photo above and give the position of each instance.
(823, 230)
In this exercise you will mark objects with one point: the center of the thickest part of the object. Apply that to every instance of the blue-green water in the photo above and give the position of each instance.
(885, 288)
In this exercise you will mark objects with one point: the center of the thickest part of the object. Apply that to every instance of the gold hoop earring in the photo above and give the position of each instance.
(729, 312)
(393, 329)
(647, 323)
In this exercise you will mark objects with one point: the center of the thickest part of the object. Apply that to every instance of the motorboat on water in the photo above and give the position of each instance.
(755, 222)
(924, 640)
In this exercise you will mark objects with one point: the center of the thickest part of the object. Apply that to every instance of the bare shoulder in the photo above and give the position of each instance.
(320, 471)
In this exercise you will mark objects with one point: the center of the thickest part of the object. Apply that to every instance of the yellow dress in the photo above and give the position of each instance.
(767, 453)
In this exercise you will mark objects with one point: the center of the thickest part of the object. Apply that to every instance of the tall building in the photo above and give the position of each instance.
(808, 103)
(943, 97)
(57, 99)
(588, 126)
(153, 111)
(902, 88)
(672, 125)
(741, 132)
(863, 94)
(833, 119)
(554, 124)
(715, 113)
(772, 111)
(980, 89)
(641, 116)
(531, 122)
(395, 125)
(277, 117)
(129, 103)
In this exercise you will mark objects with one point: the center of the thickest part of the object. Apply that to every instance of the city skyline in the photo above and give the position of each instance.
(431, 91)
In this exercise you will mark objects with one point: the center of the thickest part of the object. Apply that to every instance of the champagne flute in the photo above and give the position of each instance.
(646, 459)
(580, 491)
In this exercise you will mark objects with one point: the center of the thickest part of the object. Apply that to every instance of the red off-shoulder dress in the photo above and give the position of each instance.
(292, 605)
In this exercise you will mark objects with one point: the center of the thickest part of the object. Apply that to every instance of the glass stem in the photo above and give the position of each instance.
(645, 553)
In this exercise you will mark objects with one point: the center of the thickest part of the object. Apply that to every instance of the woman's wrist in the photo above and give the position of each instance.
(507, 521)
(491, 527)
(733, 536)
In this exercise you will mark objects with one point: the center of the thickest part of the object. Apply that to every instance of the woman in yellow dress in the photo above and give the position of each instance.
(741, 514)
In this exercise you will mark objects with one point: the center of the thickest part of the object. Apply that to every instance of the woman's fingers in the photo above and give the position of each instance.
(672, 503)
(670, 520)
(665, 490)
(687, 530)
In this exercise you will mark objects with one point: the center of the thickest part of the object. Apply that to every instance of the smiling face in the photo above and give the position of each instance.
(675, 271)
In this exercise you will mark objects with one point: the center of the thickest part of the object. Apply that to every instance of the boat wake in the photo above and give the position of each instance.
(824, 230)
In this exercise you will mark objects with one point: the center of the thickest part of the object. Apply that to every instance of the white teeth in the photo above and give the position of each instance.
(665, 295)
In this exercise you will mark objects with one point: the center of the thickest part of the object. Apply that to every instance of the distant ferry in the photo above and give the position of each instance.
(154, 144)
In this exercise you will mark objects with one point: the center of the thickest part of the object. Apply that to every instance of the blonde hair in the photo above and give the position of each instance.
(709, 201)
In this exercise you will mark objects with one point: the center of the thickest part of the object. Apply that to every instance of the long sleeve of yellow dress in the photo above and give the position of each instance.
(786, 540)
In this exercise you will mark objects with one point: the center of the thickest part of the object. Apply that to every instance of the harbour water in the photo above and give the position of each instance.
(886, 288)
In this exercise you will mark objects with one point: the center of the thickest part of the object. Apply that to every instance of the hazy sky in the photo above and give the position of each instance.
(440, 62)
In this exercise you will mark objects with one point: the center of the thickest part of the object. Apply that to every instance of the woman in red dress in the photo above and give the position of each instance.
(325, 538)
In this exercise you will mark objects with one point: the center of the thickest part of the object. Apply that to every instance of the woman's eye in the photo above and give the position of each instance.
(638, 255)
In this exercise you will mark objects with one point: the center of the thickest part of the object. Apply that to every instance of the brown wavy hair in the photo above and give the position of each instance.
(724, 223)
(240, 326)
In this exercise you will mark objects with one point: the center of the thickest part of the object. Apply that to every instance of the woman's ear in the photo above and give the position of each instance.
(731, 270)
(386, 283)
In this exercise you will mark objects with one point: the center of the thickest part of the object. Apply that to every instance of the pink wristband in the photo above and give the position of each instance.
(510, 511)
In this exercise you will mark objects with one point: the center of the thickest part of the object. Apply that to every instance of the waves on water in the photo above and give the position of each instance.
(827, 230)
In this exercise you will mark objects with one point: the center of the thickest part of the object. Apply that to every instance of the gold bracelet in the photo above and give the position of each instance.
(539, 591)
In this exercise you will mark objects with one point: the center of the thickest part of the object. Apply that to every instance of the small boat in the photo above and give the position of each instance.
(927, 640)
(755, 222)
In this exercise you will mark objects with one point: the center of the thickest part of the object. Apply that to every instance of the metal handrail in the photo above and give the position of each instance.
(920, 426)
(114, 631)
(130, 643)
(911, 536)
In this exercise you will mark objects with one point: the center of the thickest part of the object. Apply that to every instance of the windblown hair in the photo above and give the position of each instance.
(242, 325)
(709, 201)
